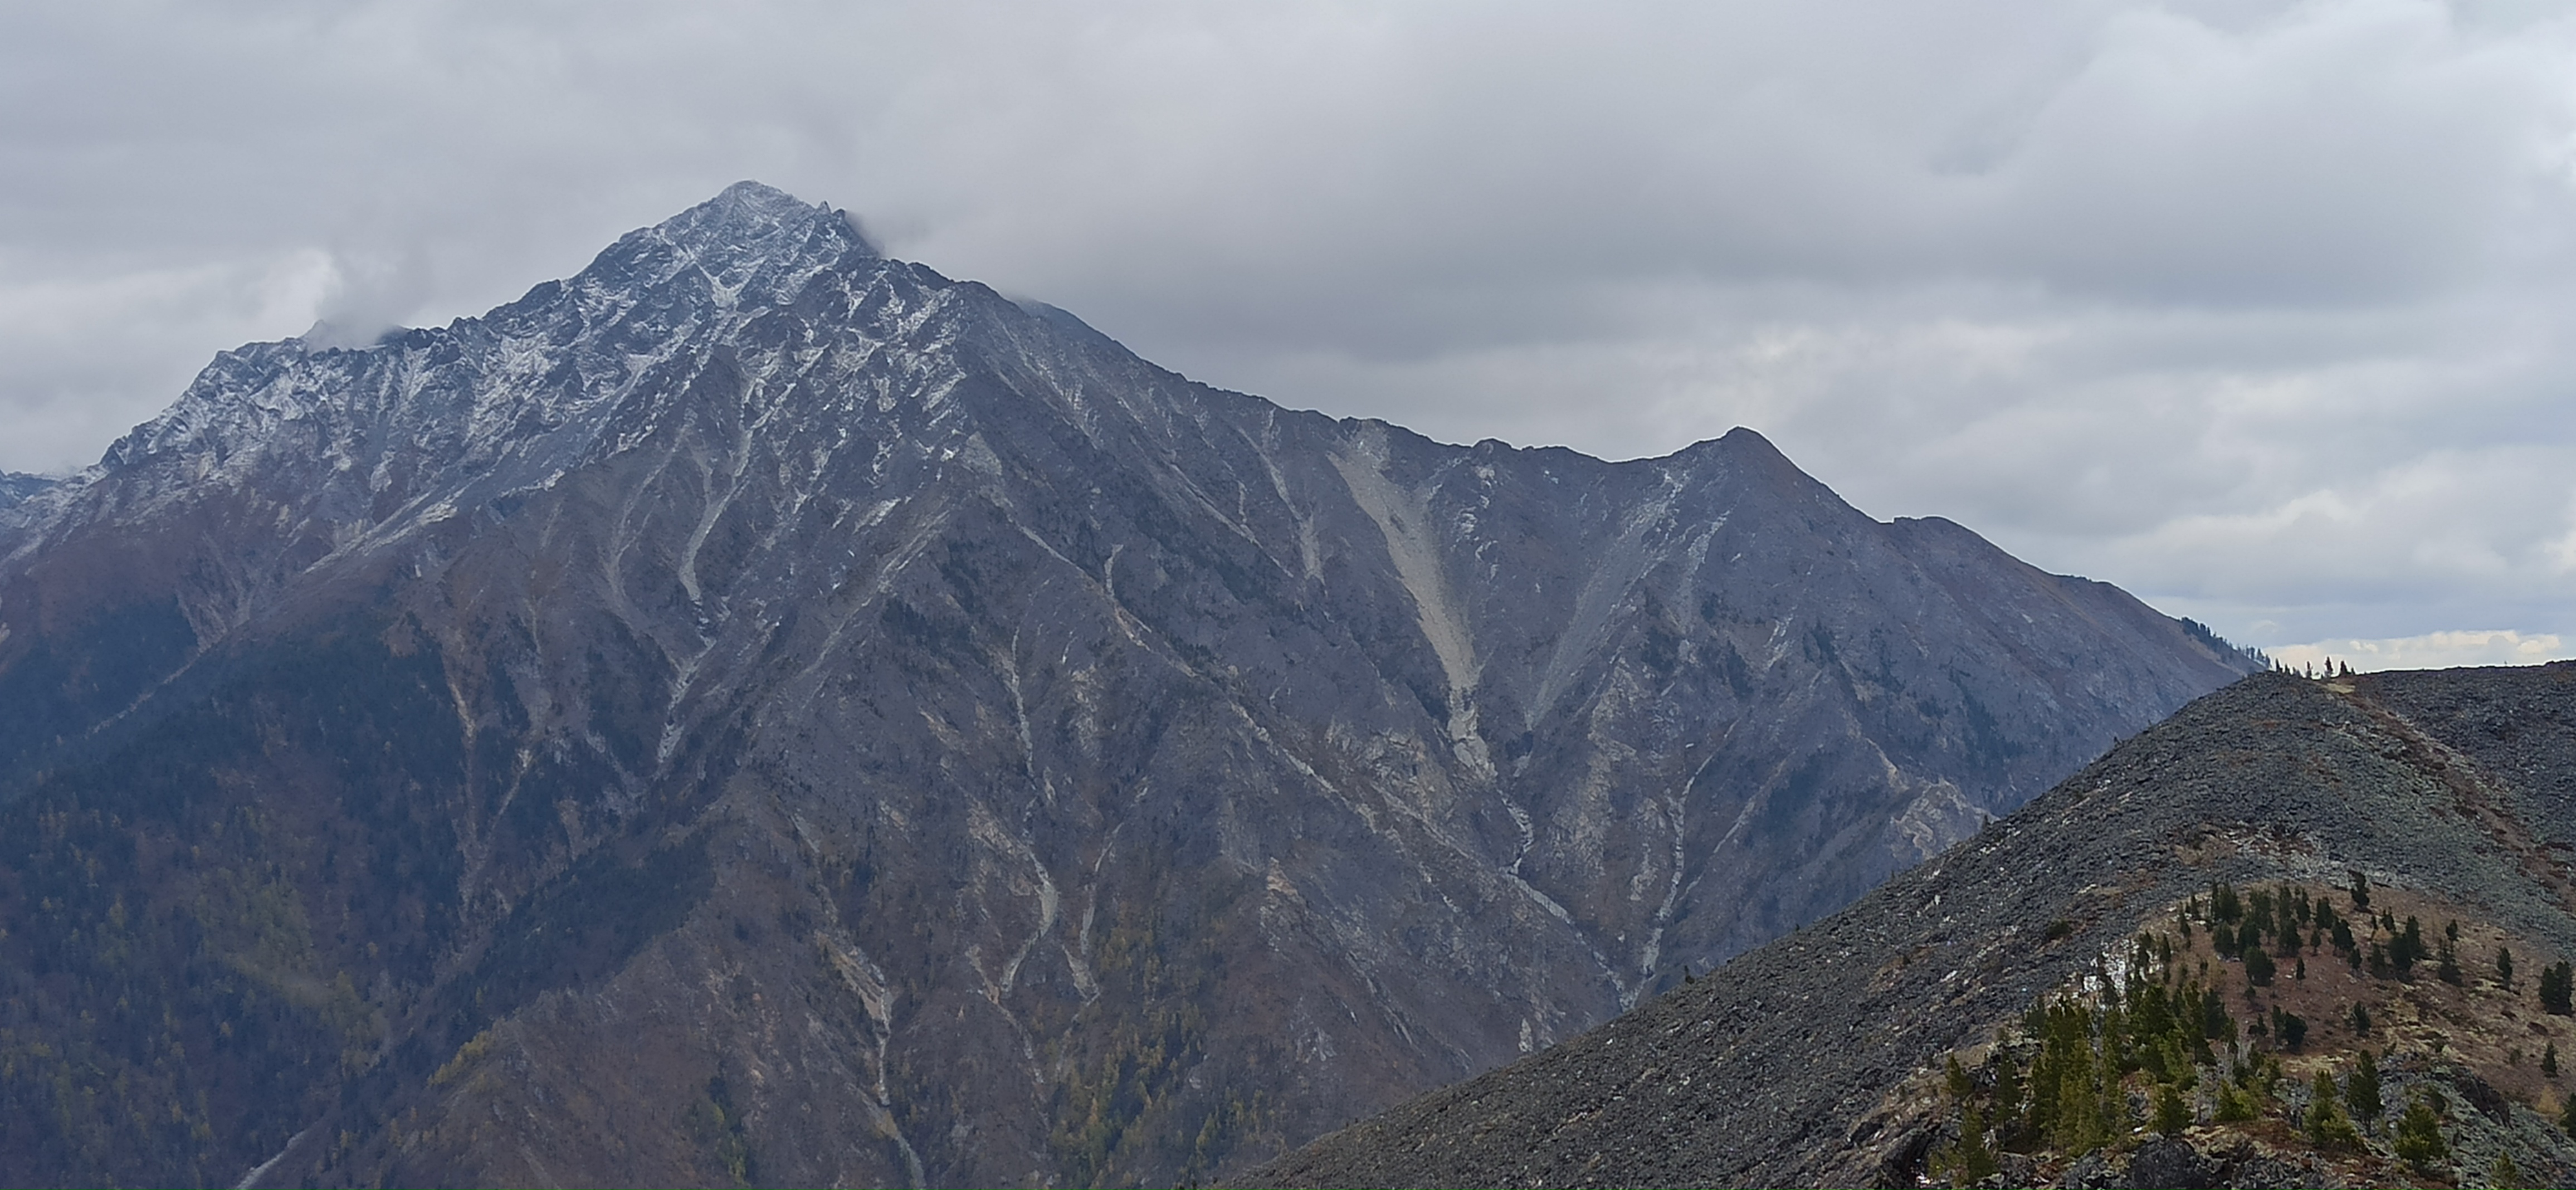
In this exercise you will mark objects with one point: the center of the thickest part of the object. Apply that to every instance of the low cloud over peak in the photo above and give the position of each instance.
(2254, 308)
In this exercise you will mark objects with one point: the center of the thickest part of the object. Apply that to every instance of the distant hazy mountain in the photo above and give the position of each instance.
(760, 711)
(2449, 797)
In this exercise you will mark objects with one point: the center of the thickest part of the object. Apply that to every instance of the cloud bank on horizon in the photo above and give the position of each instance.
(2253, 308)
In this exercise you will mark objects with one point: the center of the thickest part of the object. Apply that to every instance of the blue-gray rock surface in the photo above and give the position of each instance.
(759, 710)
(1811, 1061)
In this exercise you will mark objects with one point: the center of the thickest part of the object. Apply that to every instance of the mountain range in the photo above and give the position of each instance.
(760, 711)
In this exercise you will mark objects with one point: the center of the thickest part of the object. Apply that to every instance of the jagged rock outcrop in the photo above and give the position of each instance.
(757, 710)
(1805, 1062)
(16, 490)
(16, 487)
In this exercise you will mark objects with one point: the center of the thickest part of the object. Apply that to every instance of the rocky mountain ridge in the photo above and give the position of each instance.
(1821, 1059)
(761, 711)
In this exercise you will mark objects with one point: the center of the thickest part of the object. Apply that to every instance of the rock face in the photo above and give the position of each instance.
(1789, 1066)
(16, 488)
(761, 711)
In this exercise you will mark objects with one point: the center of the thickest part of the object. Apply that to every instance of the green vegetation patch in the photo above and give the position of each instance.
(2271, 1011)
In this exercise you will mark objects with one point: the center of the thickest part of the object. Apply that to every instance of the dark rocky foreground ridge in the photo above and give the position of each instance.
(757, 711)
(1814, 1060)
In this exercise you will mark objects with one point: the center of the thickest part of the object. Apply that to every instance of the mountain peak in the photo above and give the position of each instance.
(749, 211)
(749, 228)
(857, 635)
(745, 207)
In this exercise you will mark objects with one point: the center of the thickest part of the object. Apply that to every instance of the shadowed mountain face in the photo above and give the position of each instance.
(1803, 1062)
(760, 711)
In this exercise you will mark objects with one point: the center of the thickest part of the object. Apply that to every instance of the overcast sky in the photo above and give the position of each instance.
(2265, 311)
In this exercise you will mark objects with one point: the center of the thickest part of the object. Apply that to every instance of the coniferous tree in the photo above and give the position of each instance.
(2150, 1011)
(1971, 1158)
(2079, 1124)
(2193, 1028)
(2267, 1077)
(2224, 904)
(2408, 948)
(2040, 1119)
(2360, 889)
(2449, 971)
(2173, 1112)
(2361, 1091)
(1976, 1155)
(2008, 1092)
(2325, 1121)
(2215, 1024)
(2419, 1136)
(2549, 1061)
(2504, 967)
(2118, 1056)
(2258, 967)
(2554, 988)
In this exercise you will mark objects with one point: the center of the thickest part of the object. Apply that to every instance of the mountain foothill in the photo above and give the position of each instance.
(2304, 933)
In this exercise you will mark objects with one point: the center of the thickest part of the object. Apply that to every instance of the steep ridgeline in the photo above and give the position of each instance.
(2167, 971)
(760, 711)
(16, 488)
(15, 491)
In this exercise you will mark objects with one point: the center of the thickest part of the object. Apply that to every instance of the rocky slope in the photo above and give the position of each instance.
(16, 488)
(1823, 1058)
(761, 711)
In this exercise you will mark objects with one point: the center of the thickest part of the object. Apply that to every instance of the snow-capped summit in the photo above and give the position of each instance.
(749, 233)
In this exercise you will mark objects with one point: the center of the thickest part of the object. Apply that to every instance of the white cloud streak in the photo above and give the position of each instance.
(2251, 307)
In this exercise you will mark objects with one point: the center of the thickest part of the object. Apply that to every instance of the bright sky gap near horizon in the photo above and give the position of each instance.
(2254, 309)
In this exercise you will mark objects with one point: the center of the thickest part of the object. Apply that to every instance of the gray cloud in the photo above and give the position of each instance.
(2250, 307)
